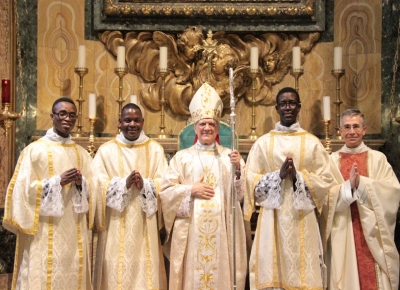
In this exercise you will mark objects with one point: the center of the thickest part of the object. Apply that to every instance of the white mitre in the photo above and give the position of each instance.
(206, 104)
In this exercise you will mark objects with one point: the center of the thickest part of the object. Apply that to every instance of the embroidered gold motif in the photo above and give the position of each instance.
(207, 255)
(209, 177)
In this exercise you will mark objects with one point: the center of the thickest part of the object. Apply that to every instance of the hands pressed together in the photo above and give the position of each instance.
(354, 176)
(288, 169)
(73, 174)
(134, 179)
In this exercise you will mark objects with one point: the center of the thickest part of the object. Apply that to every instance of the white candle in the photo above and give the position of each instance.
(326, 101)
(163, 58)
(133, 99)
(296, 57)
(121, 56)
(337, 58)
(81, 56)
(254, 58)
(92, 106)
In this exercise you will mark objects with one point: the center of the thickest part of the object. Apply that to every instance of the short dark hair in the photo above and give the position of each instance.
(287, 90)
(60, 100)
(131, 106)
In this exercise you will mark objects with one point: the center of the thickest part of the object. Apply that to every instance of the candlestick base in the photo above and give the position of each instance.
(8, 117)
(296, 73)
(81, 72)
(91, 147)
(327, 139)
(253, 135)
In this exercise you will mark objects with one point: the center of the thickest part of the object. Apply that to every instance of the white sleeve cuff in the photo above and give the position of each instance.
(148, 197)
(80, 199)
(118, 195)
(52, 201)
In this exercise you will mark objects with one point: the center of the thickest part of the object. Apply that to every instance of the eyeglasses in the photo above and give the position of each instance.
(355, 127)
(136, 120)
(63, 115)
(290, 105)
(202, 124)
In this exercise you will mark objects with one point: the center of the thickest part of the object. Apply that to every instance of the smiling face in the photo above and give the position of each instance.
(206, 131)
(352, 130)
(63, 126)
(131, 123)
(288, 107)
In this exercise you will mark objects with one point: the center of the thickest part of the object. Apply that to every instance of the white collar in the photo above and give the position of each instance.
(205, 147)
(141, 139)
(293, 128)
(54, 137)
(359, 149)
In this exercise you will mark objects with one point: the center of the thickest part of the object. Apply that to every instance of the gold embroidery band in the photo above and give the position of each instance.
(50, 253)
(80, 251)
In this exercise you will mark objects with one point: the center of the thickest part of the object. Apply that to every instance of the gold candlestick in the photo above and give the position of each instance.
(120, 72)
(337, 73)
(327, 139)
(253, 134)
(81, 72)
(163, 73)
(91, 147)
(8, 117)
(296, 73)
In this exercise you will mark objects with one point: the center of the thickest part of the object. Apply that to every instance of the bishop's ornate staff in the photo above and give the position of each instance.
(234, 198)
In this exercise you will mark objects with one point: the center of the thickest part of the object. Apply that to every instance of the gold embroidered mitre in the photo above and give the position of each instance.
(206, 104)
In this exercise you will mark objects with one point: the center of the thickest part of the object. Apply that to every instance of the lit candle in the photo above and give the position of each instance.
(5, 91)
(121, 56)
(337, 58)
(296, 57)
(326, 101)
(133, 99)
(92, 106)
(81, 56)
(254, 58)
(163, 58)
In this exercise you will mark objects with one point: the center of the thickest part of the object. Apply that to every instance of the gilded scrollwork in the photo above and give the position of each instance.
(194, 59)
(224, 8)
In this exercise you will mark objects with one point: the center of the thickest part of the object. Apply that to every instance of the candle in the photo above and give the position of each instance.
(163, 58)
(121, 56)
(337, 58)
(254, 58)
(133, 99)
(81, 56)
(92, 106)
(326, 101)
(296, 58)
(5, 91)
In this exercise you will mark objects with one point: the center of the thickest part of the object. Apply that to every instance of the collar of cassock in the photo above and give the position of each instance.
(204, 147)
(142, 138)
(54, 137)
(293, 128)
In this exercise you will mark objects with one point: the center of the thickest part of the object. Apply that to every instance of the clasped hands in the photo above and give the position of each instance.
(73, 174)
(134, 179)
(288, 169)
(354, 177)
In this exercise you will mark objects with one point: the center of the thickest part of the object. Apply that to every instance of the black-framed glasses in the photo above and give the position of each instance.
(135, 120)
(63, 115)
(291, 105)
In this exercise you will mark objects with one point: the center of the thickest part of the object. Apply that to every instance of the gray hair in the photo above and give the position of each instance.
(350, 113)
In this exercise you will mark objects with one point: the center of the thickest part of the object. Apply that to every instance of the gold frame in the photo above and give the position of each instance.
(227, 8)
(227, 15)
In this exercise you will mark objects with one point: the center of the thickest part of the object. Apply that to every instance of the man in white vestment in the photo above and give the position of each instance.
(196, 201)
(361, 213)
(47, 207)
(127, 173)
(287, 174)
